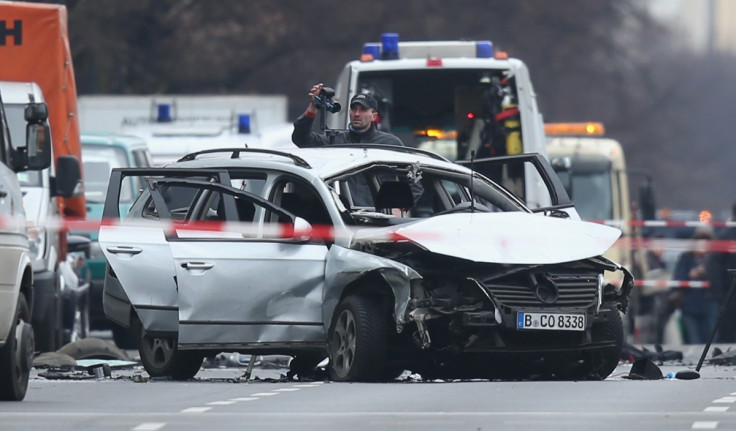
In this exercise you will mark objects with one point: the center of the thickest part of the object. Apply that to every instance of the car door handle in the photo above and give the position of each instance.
(197, 265)
(124, 250)
(3, 193)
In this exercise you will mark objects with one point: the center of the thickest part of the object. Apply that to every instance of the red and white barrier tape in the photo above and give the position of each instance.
(672, 283)
(327, 233)
(665, 223)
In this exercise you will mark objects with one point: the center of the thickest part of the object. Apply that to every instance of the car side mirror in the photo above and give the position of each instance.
(302, 229)
(68, 177)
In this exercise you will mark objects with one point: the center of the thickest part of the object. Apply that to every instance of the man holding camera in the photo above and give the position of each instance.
(362, 129)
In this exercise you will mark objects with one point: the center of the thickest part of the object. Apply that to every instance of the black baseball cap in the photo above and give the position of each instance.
(366, 100)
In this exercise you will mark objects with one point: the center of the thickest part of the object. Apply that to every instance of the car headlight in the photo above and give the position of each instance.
(36, 242)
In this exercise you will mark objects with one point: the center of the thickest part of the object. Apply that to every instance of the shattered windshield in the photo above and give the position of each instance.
(410, 191)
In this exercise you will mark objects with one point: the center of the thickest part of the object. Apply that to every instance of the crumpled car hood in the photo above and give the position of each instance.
(504, 238)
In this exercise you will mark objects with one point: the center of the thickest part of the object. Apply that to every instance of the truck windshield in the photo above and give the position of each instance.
(98, 164)
(591, 192)
(447, 111)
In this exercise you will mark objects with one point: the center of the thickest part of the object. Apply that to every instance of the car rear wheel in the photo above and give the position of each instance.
(162, 358)
(357, 340)
(17, 355)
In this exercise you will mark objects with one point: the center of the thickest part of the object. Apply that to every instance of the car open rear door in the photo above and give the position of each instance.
(141, 273)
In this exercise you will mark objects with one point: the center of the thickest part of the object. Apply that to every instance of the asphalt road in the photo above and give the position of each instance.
(223, 399)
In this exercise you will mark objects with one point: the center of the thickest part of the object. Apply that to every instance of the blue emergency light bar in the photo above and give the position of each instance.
(388, 49)
(484, 49)
(389, 46)
(164, 113)
(244, 123)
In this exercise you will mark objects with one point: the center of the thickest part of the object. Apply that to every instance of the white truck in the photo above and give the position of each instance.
(593, 169)
(175, 125)
(16, 272)
(60, 294)
(455, 98)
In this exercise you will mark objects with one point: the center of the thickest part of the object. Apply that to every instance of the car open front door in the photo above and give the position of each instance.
(141, 273)
(245, 282)
(529, 177)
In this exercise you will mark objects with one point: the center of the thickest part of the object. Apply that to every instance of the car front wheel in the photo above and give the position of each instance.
(357, 340)
(162, 358)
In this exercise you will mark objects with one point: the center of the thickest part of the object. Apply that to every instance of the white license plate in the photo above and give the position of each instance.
(550, 321)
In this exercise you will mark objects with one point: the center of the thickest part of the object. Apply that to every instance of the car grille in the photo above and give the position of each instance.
(566, 288)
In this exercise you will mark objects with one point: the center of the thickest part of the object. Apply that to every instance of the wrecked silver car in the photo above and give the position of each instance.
(382, 259)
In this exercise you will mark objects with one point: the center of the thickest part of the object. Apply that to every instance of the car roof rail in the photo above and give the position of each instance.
(399, 148)
(236, 152)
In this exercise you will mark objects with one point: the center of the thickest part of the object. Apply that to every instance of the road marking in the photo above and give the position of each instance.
(196, 410)
(313, 385)
(243, 399)
(716, 409)
(705, 425)
(287, 390)
(150, 426)
(725, 400)
(264, 394)
(221, 403)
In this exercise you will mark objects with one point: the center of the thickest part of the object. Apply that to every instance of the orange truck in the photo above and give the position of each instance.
(34, 47)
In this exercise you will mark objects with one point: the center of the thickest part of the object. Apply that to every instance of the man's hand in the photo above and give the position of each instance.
(316, 89)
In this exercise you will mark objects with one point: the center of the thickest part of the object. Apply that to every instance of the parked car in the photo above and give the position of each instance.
(379, 258)
(101, 152)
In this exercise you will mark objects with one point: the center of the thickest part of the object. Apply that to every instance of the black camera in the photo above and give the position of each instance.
(324, 100)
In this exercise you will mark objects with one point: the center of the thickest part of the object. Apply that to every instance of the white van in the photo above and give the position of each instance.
(61, 296)
(16, 273)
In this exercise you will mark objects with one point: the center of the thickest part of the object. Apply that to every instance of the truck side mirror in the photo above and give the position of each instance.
(68, 177)
(38, 146)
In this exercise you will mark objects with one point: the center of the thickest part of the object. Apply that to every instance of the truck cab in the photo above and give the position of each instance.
(460, 99)
(593, 169)
(60, 291)
(16, 272)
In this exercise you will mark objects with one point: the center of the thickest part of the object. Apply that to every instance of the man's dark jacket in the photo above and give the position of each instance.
(303, 136)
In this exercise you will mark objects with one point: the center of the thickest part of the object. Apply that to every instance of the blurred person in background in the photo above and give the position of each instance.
(717, 265)
(697, 307)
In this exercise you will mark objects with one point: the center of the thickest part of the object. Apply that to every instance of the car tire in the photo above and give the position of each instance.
(17, 355)
(161, 357)
(357, 340)
(93, 348)
(604, 361)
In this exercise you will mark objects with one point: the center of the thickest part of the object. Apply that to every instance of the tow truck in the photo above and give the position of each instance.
(461, 99)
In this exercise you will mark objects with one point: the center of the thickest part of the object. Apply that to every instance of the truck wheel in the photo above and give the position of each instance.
(93, 348)
(50, 332)
(17, 355)
(357, 340)
(162, 358)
